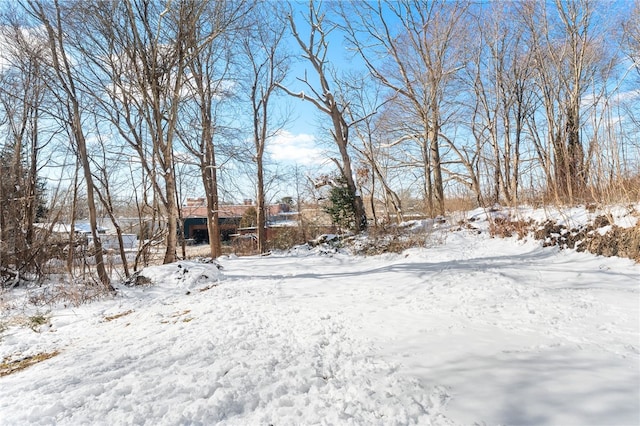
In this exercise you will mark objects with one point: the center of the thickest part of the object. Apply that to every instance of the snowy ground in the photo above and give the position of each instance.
(472, 330)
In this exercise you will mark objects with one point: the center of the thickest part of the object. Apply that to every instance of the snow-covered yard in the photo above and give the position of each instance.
(472, 330)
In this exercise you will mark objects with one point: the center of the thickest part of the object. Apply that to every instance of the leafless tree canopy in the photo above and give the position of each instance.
(116, 111)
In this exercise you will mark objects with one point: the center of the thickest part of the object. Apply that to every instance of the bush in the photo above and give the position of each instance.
(286, 237)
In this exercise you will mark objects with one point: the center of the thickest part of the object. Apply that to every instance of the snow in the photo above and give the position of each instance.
(625, 216)
(470, 330)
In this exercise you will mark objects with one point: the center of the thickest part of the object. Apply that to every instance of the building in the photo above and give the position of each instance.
(194, 215)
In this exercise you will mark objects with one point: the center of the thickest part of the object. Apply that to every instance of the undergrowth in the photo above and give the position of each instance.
(66, 294)
(380, 240)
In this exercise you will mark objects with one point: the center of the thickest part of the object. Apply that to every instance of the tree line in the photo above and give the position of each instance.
(498, 101)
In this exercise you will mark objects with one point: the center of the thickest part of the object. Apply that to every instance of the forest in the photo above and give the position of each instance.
(125, 108)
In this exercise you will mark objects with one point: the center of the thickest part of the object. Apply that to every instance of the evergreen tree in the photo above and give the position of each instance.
(22, 203)
(341, 204)
(249, 218)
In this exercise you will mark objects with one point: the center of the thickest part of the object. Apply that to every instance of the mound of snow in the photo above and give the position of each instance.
(185, 275)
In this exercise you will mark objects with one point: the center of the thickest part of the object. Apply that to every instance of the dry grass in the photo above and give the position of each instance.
(11, 366)
(66, 293)
(460, 204)
(33, 322)
(120, 315)
(625, 189)
(198, 251)
(180, 316)
(209, 287)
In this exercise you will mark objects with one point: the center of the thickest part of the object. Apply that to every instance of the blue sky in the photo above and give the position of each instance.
(305, 140)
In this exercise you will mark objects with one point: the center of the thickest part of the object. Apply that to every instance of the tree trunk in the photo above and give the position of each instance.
(210, 180)
(261, 223)
(340, 135)
(436, 165)
(426, 165)
(325, 101)
(172, 218)
(62, 69)
(93, 216)
(575, 151)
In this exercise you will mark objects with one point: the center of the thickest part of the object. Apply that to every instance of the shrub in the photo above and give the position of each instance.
(286, 237)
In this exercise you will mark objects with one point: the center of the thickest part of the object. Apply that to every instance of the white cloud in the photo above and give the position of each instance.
(616, 98)
(295, 148)
(629, 95)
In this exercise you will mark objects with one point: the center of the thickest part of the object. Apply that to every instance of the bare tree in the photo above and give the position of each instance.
(631, 47)
(421, 42)
(50, 16)
(568, 55)
(268, 67)
(106, 166)
(210, 86)
(501, 85)
(366, 100)
(324, 98)
(158, 75)
(631, 35)
(141, 52)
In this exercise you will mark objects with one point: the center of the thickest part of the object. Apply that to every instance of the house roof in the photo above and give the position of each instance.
(231, 210)
(64, 228)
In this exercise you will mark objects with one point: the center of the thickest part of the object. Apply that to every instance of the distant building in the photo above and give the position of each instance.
(194, 215)
(64, 229)
(82, 234)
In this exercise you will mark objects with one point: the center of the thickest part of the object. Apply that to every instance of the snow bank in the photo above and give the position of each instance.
(626, 216)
